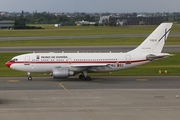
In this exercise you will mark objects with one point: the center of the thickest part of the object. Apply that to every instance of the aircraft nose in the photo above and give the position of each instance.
(8, 64)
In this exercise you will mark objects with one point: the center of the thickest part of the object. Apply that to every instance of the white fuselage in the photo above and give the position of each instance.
(46, 62)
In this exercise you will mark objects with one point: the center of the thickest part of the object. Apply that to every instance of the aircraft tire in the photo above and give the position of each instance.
(29, 78)
(88, 78)
(81, 77)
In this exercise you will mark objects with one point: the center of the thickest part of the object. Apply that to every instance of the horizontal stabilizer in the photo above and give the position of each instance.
(152, 57)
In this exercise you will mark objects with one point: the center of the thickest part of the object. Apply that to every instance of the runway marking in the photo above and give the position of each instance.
(79, 101)
(142, 80)
(13, 81)
(166, 109)
(159, 96)
(66, 90)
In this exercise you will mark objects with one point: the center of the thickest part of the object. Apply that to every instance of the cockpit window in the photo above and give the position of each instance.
(14, 60)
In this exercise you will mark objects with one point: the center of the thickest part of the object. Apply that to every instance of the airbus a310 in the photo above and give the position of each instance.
(64, 65)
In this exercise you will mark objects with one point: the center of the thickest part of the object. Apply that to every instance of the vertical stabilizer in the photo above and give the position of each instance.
(155, 41)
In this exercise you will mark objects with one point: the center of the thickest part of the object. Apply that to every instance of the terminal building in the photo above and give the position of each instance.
(6, 24)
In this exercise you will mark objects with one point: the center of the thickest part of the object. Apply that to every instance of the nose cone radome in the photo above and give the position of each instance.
(8, 64)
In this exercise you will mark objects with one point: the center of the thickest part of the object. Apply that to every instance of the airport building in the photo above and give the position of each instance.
(104, 19)
(137, 20)
(120, 21)
(6, 24)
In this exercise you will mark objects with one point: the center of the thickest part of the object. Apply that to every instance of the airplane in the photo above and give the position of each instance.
(63, 65)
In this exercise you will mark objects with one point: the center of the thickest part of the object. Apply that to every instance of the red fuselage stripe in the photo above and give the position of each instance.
(75, 62)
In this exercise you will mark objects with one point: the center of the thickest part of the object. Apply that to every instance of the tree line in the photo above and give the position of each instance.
(48, 18)
(24, 18)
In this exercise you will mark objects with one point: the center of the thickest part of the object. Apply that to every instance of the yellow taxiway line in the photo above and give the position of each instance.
(78, 100)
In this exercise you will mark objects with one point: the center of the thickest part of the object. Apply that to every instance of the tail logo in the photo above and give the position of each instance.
(164, 36)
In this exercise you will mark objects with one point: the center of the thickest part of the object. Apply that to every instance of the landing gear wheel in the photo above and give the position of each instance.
(81, 77)
(88, 78)
(30, 78)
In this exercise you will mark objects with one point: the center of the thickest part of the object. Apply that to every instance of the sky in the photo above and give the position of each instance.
(90, 6)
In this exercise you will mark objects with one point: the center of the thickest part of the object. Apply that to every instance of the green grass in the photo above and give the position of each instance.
(74, 42)
(85, 42)
(171, 64)
(50, 30)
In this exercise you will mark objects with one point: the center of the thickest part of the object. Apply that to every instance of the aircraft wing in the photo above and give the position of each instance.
(95, 67)
(84, 66)
(90, 65)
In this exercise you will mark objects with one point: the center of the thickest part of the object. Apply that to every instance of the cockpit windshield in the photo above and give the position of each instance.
(14, 60)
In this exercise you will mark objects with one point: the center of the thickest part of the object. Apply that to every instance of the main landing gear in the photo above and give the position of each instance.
(84, 76)
(29, 76)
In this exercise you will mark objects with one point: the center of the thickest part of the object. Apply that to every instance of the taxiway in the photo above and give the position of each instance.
(103, 98)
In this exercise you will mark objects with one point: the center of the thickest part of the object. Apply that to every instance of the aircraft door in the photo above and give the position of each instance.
(27, 60)
(128, 59)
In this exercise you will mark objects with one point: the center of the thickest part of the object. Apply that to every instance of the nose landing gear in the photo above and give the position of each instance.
(29, 76)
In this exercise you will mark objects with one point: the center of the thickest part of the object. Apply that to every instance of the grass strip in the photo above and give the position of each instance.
(50, 30)
(85, 42)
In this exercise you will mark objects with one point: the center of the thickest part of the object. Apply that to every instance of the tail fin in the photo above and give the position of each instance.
(155, 41)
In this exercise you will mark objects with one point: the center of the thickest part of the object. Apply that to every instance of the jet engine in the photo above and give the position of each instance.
(60, 73)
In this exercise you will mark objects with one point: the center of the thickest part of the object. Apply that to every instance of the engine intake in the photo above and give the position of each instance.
(60, 73)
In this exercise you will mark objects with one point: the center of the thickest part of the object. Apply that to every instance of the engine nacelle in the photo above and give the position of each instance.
(60, 73)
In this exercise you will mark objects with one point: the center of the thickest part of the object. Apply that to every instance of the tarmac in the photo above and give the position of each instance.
(103, 98)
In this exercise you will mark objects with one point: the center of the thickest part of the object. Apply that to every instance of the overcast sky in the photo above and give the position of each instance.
(113, 6)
